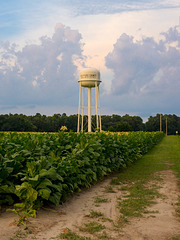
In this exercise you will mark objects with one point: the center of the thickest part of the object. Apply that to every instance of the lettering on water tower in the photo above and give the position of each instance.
(88, 76)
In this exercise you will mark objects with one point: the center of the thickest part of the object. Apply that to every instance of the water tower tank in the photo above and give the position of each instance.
(89, 77)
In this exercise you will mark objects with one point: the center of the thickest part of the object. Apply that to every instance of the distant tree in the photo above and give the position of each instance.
(115, 123)
(137, 123)
(16, 123)
(111, 129)
(123, 127)
(4, 119)
(173, 123)
(107, 122)
(71, 122)
(39, 121)
(153, 123)
(55, 122)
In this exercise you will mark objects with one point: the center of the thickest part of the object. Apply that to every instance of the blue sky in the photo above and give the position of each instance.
(135, 45)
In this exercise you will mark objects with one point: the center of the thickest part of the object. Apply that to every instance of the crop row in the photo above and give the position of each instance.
(37, 169)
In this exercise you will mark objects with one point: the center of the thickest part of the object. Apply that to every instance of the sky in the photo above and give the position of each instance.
(134, 44)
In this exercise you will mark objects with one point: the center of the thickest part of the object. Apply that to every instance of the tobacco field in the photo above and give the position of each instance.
(38, 169)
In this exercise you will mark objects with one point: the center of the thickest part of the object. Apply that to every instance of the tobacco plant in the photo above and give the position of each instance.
(38, 169)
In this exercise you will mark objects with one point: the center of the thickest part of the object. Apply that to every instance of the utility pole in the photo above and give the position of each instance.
(166, 127)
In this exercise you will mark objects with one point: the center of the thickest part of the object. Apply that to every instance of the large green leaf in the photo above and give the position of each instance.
(45, 182)
(31, 194)
(58, 187)
(36, 178)
(55, 198)
(44, 193)
(51, 173)
(25, 191)
(7, 189)
(31, 168)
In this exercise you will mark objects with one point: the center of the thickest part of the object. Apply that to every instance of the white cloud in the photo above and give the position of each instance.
(146, 72)
(41, 73)
(42, 70)
(114, 6)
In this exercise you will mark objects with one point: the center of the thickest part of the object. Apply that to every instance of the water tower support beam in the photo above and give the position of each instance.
(89, 109)
(82, 110)
(97, 120)
(99, 109)
(79, 107)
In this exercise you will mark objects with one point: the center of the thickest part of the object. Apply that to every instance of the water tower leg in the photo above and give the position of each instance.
(97, 120)
(99, 109)
(79, 107)
(89, 109)
(82, 121)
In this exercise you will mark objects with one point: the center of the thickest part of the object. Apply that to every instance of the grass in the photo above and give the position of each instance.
(72, 236)
(176, 237)
(135, 179)
(92, 227)
(104, 235)
(20, 234)
(174, 150)
(109, 189)
(101, 199)
(94, 214)
(137, 201)
(139, 184)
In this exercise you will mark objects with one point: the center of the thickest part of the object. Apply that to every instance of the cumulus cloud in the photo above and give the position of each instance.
(42, 74)
(145, 66)
(146, 72)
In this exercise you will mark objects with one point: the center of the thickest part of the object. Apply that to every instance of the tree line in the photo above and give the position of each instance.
(114, 123)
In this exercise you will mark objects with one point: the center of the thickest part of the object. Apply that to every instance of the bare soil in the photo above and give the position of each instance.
(161, 222)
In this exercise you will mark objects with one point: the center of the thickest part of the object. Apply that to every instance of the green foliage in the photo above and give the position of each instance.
(95, 214)
(92, 227)
(101, 199)
(142, 180)
(72, 236)
(37, 169)
(138, 199)
(113, 123)
(173, 123)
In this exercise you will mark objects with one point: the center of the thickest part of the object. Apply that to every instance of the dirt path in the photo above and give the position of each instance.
(161, 223)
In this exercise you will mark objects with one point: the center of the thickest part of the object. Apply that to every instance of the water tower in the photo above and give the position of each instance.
(89, 78)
